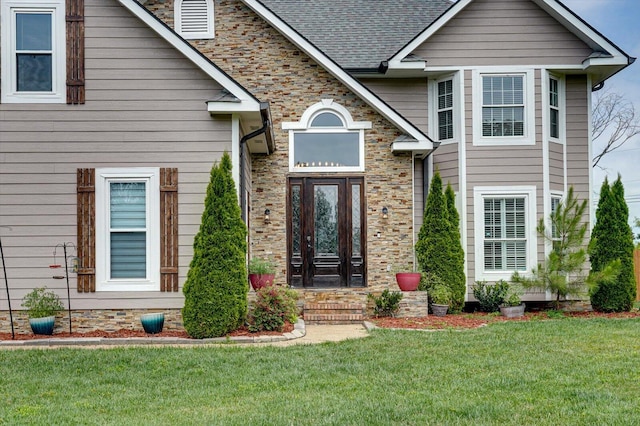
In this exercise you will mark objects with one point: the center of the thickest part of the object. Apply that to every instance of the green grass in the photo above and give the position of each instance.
(566, 371)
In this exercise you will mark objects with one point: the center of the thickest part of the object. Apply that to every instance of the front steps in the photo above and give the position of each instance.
(334, 313)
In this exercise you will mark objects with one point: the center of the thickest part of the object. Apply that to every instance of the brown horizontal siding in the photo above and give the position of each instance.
(507, 32)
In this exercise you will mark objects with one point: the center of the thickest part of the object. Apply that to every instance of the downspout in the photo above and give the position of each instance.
(264, 112)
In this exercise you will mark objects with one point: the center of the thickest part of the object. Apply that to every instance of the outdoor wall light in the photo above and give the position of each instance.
(385, 213)
(267, 216)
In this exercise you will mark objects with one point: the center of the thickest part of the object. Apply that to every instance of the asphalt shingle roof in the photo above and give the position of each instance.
(358, 34)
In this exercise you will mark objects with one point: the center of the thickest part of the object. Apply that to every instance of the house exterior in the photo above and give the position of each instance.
(112, 113)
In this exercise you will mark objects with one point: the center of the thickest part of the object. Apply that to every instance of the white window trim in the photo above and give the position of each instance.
(303, 126)
(433, 103)
(152, 177)
(8, 85)
(482, 192)
(529, 137)
(209, 34)
(561, 108)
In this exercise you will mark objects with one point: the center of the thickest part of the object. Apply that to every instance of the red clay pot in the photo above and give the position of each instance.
(261, 280)
(408, 281)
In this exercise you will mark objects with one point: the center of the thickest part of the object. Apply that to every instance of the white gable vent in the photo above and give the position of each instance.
(194, 18)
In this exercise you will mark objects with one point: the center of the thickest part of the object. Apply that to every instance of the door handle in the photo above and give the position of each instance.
(309, 243)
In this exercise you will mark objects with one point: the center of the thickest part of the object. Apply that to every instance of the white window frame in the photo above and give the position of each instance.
(304, 126)
(528, 138)
(555, 198)
(202, 35)
(479, 195)
(456, 108)
(8, 11)
(151, 177)
(560, 108)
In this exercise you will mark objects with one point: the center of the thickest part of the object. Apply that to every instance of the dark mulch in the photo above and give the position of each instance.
(124, 333)
(479, 319)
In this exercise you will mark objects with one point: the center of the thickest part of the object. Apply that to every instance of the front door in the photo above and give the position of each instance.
(326, 243)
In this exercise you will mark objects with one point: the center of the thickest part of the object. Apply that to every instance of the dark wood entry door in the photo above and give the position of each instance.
(326, 241)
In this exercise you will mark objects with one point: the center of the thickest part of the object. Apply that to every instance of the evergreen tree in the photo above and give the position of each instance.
(216, 287)
(435, 250)
(459, 283)
(611, 252)
(562, 271)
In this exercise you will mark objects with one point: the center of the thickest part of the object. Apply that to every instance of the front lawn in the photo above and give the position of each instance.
(567, 371)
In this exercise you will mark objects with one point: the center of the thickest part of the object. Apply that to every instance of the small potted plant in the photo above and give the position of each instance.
(42, 306)
(407, 278)
(512, 306)
(440, 296)
(261, 272)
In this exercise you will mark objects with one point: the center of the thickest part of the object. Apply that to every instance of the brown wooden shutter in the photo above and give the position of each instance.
(86, 188)
(75, 51)
(168, 229)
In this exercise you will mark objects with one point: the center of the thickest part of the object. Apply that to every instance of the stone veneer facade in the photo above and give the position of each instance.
(274, 70)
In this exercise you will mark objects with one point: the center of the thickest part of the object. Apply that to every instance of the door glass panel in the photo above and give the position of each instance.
(296, 225)
(326, 220)
(355, 221)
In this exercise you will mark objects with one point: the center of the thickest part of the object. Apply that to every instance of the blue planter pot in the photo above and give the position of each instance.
(152, 323)
(42, 325)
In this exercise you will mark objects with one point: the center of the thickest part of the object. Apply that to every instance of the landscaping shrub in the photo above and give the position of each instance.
(611, 241)
(490, 296)
(216, 287)
(274, 305)
(387, 304)
(437, 249)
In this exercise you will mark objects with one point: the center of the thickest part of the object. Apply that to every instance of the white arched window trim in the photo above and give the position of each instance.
(304, 127)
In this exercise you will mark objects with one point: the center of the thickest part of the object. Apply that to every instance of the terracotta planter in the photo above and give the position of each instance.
(42, 325)
(512, 311)
(408, 281)
(439, 310)
(261, 280)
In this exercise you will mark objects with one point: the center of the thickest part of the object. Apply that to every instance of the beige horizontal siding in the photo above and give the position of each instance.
(506, 32)
(145, 107)
(578, 161)
(556, 166)
(407, 96)
(445, 161)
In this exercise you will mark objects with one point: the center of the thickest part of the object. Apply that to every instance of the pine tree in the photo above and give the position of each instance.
(216, 287)
(459, 283)
(435, 246)
(611, 252)
(562, 271)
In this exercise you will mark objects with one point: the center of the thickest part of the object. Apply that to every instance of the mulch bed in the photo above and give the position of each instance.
(123, 333)
(479, 319)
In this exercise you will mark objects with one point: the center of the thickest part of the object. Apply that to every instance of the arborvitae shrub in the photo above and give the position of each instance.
(438, 249)
(216, 287)
(612, 241)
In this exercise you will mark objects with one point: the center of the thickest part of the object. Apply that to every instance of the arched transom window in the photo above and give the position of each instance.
(326, 139)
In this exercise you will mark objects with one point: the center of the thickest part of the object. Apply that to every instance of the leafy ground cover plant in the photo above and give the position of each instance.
(490, 296)
(274, 305)
(387, 304)
(41, 303)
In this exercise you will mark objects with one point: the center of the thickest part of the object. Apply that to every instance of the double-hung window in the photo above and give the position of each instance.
(502, 105)
(503, 108)
(445, 110)
(504, 231)
(554, 108)
(127, 229)
(33, 51)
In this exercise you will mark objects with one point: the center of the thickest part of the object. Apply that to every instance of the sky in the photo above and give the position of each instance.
(619, 21)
